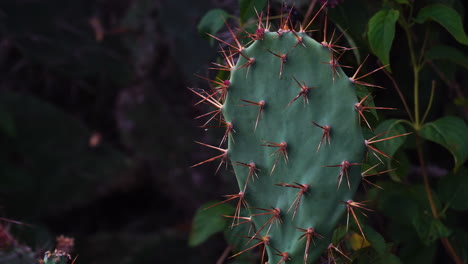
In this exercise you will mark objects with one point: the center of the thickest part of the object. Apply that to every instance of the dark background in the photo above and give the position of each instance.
(97, 129)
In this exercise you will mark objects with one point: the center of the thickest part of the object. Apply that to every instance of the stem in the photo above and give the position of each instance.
(224, 256)
(431, 100)
(417, 126)
(447, 245)
(427, 187)
(402, 98)
(415, 65)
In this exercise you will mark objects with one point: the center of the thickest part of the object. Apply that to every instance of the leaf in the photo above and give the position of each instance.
(212, 22)
(430, 229)
(450, 132)
(402, 167)
(357, 241)
(382, 32)
(453, 190)
(339, 233)
(443, 52)
(446, 17)
(403, 2)
(247, 8)
(375, 239)
(208, 222)
(461, 237)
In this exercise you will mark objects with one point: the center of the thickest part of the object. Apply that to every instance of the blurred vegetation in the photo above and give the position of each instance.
(97, 129)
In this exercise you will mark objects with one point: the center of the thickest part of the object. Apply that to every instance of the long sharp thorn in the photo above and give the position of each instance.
(383, 139)
(369, 73)
(263, 241)
(261, 106)
(304, 92)
(355, 79)
(283, 58)
(312, 20)
(275, 218)
(231, 197)
(330, 253)
(350, 205)
(325, 136)
(282, 151)
(359, 68)
(309, 234)
(223, 156)
(344, 171)
(252, 171)
(375, 150)
(224, 42)
(303, 188)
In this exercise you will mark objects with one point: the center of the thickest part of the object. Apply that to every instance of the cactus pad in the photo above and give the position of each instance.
(293, 127)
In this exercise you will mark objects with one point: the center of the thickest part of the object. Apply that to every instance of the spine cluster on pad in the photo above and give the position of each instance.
(292, 124)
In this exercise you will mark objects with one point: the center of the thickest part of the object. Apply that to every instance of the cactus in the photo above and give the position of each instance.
(293, 127)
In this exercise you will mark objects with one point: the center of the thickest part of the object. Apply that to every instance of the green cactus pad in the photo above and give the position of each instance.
(283, 63)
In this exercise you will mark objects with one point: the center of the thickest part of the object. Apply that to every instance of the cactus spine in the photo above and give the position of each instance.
(293, 127)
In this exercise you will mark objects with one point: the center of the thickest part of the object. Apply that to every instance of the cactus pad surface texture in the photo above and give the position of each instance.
(294, 138)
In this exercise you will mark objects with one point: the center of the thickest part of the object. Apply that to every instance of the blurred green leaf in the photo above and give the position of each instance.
(430, 229)
(418, 253)
(339, 233)
(403, 2)
(453, 190)
(401, 167)
(375, 239)
(446, 17)
(247, 8)
(408, 205)
(460, 236)
(452, 54)
(382, 32)
(450, 132)
(208, 221)
(402, 203)
(212, 22)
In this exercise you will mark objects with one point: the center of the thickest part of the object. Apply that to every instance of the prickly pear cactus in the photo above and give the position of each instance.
(297, 187)
(293, 127)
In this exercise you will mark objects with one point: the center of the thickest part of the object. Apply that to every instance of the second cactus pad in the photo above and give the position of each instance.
(296, 143)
